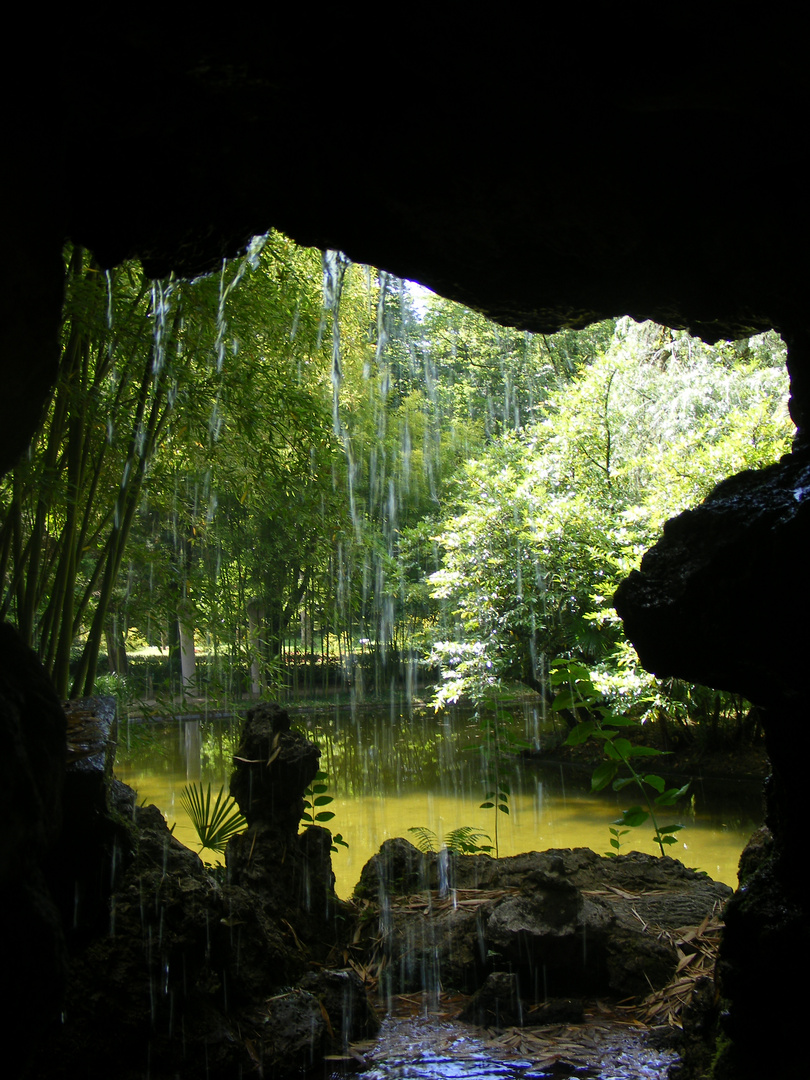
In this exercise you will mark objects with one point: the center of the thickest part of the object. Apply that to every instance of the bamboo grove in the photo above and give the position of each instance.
(350, 486)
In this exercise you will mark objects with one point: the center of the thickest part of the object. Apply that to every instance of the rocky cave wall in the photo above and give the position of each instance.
(547, 172)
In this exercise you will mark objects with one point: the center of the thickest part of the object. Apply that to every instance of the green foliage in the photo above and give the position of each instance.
(316, 796)
(548, 520)
(215, 822)
(616, 835)
(465, 840)
(214, 460)
(610, 729)
(117, 686)
(68, 506)
(496, 799)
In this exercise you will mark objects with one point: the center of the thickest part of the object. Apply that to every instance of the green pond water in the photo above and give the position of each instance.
(390, 770)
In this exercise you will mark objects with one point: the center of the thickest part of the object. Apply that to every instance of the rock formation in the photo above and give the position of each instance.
(173, 972)
(562, 922)
(547, 170)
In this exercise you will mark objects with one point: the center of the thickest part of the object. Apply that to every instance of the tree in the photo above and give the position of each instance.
(69, 506)
(149, 388)
(241, 492)
(550, 518)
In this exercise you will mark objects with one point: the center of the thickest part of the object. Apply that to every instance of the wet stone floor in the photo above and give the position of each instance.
(421, 1040)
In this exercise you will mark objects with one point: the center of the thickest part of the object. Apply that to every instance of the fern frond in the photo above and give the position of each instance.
(466, 840)
(426, 839)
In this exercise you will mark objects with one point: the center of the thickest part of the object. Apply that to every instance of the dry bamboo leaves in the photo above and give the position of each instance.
(697, 948)
(434, 903)
(423, 1025)
(610, 1031)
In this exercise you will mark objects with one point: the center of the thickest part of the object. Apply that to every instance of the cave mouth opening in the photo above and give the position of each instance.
(743, 217)
(443, 386)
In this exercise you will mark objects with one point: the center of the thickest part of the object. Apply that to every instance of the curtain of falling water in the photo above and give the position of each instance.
(370, 582)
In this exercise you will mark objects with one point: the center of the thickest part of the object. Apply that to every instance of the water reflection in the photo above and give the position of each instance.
(427, 1047)
(420, 770)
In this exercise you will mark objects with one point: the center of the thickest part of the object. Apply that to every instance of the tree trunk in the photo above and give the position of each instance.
(116, 649)
(188, 664)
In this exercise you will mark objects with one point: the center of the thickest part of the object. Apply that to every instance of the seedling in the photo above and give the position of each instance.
(316, 796)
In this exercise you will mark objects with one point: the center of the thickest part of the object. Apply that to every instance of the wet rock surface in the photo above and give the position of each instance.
(499, 1004)
(192, 976)
(273, 767)
(423, 1037)
(721, 598)
(566, 922)
(32, 773)
(289, 871)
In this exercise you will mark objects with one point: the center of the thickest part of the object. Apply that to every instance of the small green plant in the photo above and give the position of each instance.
(496, 742)
(315, 796)
(119, 687)
(607, 726)
(496, 798)
(616, 835)
(466, 840)
(215, 823)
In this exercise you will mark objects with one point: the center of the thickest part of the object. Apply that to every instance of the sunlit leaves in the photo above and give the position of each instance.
(606, 726)
(551, 518)
(215, 821)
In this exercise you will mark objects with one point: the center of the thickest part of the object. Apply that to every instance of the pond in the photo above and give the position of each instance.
(431, 1046)
(392, 769)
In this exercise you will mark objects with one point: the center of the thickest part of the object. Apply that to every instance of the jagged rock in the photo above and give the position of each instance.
(497, 1003)
(398, 869)
(287, 874)
(554, 938)
(32, 767)
(293, 1036)
(273, 768)
(284, 869)
(204, 978)
(766, 932)
(755, 853)
(703, 604)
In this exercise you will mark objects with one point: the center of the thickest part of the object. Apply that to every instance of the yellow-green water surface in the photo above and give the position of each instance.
(389, 771)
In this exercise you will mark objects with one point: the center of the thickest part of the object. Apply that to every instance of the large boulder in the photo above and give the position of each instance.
(564, 922)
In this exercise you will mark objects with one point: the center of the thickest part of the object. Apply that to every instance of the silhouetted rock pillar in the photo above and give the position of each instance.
(274, 766)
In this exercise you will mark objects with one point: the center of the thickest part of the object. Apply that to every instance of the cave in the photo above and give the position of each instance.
(548, 172)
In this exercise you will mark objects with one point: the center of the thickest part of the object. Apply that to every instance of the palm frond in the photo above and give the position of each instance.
(214, 823)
